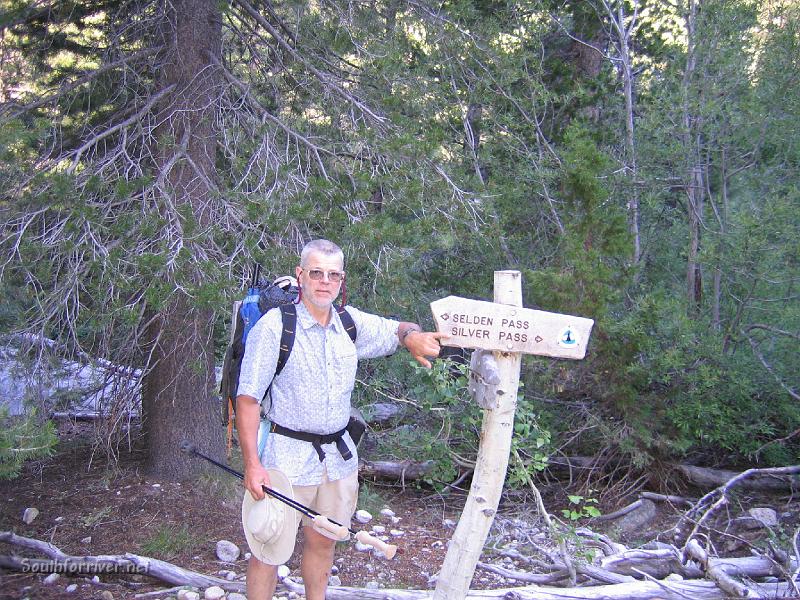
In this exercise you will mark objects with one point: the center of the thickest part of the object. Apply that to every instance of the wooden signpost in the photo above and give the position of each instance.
(501, 331)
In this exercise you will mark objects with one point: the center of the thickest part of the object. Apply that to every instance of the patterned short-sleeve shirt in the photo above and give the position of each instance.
(312, 393)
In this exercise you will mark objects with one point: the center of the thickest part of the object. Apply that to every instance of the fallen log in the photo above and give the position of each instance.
(109, 564)
(778, 479)
(403, 470)
(638, 590)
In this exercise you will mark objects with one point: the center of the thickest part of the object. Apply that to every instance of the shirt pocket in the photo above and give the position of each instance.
(345, 364)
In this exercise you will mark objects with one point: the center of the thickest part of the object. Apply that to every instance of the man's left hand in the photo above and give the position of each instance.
(423, 345)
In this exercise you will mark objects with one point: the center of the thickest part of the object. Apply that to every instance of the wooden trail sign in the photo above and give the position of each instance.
(493, 326)
(508, 330)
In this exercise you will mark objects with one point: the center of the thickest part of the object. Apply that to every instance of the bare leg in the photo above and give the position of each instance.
(261, 580)
(317, 563)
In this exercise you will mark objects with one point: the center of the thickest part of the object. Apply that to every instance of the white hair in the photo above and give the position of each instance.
(320, 246)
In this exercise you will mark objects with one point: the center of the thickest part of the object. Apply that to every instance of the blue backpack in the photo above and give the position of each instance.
(282, 294)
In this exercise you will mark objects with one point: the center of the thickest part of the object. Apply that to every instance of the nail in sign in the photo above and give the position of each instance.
(503, 328)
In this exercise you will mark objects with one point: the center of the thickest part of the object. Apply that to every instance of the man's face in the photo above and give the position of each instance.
(320, 293)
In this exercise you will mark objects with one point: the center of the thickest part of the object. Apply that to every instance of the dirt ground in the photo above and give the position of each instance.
(87, 510)
(91, 511)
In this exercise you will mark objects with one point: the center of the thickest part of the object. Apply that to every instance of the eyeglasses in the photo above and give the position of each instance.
(333, 276)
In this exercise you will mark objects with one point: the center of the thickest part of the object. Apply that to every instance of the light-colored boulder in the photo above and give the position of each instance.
(227, 551)
(765, 515)
(29, 515)
(362, 516)
(214, 593)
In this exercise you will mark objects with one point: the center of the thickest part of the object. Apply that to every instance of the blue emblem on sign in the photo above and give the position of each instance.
(568, 338)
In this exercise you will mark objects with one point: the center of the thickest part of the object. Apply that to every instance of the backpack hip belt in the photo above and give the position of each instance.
(316, 439)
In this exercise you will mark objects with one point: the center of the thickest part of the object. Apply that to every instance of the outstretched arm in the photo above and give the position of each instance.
(420, 344)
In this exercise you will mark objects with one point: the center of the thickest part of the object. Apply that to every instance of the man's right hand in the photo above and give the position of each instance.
(254, 477)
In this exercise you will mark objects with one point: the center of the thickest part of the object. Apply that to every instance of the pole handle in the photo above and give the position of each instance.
(388, 550)
(321, 521)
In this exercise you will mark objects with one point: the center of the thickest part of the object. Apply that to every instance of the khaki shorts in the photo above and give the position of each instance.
(333, 499)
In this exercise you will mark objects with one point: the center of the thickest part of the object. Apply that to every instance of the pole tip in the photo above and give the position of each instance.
(187, 446)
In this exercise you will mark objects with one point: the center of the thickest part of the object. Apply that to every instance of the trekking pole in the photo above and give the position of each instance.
(319, 520)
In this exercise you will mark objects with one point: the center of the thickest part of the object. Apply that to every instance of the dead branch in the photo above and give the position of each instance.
(709, 504)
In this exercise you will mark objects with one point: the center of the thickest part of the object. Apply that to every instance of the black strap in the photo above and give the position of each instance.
(316, 439)
(347, 322)
(289, 324)
(289, 321)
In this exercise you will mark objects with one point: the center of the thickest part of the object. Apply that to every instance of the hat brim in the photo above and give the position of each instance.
(280, 549)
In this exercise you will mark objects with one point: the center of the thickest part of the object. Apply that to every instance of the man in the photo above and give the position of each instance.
(312, 395)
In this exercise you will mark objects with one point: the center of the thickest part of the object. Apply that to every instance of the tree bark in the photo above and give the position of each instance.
(178, 399)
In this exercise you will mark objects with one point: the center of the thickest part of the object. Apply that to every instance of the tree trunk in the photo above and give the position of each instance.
(178, 399)
(694, 175)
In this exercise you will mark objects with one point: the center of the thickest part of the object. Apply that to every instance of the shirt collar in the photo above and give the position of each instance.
(306, 321)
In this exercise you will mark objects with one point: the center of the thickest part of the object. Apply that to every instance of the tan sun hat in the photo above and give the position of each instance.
(270, 526)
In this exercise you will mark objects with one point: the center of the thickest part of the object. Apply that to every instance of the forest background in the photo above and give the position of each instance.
(636, 161)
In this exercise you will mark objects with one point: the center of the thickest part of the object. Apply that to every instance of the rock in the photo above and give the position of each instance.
(449, 523)
(396, 533)
(29, 515)
(283, 571)
(51, 579)
(334, 581)
(362, 516)
(395, 520)
(637, 519)
(382, 412)
(387, 512)
(363, 547)
(87, 540)
(767, 516)
(372, 585)
(95, 579)
(71, 588)
(247, 556)
(214, 593)
(378, 529)
(59, 519)
(106, 595)
(227, 551)
(230, 576)
(236, 596)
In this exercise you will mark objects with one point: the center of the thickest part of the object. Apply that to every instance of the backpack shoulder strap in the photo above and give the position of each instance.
(289, 320)
(347, 321)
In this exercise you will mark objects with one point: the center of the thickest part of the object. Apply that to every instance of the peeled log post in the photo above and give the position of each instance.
(491, 465)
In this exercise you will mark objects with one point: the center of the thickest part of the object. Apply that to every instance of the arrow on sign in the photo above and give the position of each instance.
(503, 328)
